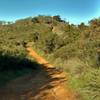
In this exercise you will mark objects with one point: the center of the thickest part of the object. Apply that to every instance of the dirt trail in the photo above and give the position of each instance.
(46, 83)
(60, 91)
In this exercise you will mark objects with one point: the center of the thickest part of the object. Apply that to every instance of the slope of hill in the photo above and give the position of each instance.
(74, 49)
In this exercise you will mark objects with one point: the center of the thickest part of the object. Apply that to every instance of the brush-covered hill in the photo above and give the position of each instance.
(72, 48)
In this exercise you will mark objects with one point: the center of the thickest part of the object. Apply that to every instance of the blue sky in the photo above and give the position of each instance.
(74, 11)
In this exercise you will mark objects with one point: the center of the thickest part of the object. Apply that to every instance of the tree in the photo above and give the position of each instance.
(82, 26)
(57, 18)
(35, 20)
(3, 22)
(35, 36)
(94, 23)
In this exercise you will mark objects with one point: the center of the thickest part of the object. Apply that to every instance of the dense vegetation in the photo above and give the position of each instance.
(72, 48)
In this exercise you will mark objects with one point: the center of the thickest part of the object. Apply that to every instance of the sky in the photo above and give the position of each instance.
(73, 11)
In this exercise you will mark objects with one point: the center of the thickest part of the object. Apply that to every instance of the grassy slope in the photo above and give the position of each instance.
(70, 48)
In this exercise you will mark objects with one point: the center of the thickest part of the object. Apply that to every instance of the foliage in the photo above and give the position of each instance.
(72, 48)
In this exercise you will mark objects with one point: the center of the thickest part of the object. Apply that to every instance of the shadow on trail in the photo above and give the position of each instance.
(36, 79)
(12, 67)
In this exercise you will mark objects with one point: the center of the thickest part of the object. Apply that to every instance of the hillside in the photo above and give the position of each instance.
(74, 49)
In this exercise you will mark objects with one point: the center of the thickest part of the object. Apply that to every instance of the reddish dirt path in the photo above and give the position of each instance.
(45, 83)
(59, 91)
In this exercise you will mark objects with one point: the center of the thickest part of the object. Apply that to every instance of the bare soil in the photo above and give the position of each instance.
(45, 83)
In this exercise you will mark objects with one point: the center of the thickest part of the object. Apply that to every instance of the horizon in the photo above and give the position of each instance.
(70, 22)
(74, 12)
